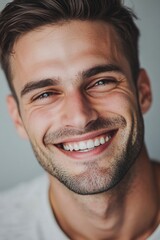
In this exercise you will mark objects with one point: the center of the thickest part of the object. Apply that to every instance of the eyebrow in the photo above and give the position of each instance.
(39, 84)
(33, 85)
(101, 69)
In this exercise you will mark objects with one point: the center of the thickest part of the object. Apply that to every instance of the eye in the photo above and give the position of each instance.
(45, 97)
(103, 85)
(103, 82)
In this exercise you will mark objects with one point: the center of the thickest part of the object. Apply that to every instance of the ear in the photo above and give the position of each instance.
(144, 91)
(16, 118)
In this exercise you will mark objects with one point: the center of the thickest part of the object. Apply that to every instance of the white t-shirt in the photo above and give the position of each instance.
(25, 214)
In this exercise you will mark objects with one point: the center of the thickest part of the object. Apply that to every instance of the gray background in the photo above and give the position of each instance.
(17, 162)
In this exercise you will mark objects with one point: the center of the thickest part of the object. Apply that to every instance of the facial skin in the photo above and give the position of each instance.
(76, 88)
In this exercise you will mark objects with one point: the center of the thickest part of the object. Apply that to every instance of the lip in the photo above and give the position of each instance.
(89, 154)
(86, 137)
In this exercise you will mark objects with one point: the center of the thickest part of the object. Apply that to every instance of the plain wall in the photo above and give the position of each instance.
(17, 162)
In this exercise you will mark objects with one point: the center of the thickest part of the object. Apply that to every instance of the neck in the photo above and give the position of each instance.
(114, 214)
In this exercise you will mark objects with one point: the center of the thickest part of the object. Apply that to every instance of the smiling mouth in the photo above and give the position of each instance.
(89, 144)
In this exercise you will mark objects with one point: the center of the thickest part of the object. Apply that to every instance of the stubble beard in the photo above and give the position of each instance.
(95, 179)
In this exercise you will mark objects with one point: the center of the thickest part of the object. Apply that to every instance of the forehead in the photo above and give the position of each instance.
(64, 49)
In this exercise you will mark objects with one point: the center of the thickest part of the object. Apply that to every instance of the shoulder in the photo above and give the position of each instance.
(25, 213)
(23, 192)
(19, 204)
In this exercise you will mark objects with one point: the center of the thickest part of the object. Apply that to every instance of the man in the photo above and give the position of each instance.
(78, 94)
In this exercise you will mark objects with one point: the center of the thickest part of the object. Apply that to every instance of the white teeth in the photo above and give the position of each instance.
(107, 138)
(97, 142)
(66, 147)
(84, 146)
(90, 144)
(102, 140)
(76, 147)
(71, 148)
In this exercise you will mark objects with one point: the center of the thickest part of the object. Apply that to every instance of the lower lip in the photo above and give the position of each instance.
(83, 155)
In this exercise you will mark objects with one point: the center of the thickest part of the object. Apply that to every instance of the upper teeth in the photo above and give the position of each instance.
(86, 145)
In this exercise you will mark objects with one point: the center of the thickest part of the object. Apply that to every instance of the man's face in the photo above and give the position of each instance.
(78, 103)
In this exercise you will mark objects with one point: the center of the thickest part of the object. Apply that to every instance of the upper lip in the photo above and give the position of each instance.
(86, 137)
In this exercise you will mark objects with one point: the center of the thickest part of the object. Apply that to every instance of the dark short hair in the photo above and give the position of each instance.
(22, 16)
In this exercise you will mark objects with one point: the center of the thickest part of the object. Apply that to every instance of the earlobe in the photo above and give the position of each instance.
(15, 116)
(144, 91)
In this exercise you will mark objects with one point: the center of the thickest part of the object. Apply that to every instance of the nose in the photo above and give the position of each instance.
(79, 112)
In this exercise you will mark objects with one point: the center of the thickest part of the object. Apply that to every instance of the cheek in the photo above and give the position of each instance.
(118, 103)
(40, 120)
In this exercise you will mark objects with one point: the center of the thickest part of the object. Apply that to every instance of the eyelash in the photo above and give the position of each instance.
(103, 82)
(43, 96)
(106, 81)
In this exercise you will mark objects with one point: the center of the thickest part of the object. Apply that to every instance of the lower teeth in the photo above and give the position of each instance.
(85, 150)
